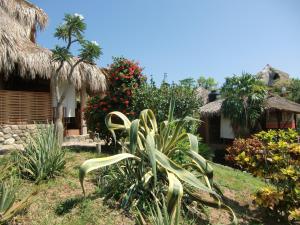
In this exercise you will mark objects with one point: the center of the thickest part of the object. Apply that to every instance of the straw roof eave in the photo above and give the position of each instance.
(273, 102)
(212, 108)
(25, 13)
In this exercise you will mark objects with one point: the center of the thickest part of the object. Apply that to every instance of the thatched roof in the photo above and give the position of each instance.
(202, 94)
(272, 76)
(20, 55)
(212, 108)
(27, 14)
(273, 102)
(280, 103)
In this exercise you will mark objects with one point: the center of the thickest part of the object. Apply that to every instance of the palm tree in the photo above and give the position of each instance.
(244, 102)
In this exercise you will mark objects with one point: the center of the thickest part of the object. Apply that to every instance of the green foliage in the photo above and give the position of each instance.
(188, 82)
(156, 98)
(244, 100)
(158, 215)
(207, 83)
(275, 156)
(145, 169)
(43, 157)
(72, 31)
(124, 77)
(9, 206)
(294, 90)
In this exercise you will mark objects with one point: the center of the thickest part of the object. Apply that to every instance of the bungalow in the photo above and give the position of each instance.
(26, 95)
(279, 113)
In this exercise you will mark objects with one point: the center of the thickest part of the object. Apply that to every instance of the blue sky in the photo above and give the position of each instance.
(188, 38)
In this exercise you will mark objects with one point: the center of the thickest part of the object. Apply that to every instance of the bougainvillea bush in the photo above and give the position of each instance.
(124, 76)
(275, 156)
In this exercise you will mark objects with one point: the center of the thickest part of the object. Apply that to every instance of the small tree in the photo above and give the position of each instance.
(294, 90)
(70, 31)
(244, 101)
(207, 83)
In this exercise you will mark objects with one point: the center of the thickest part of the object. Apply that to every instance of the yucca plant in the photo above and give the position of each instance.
(9, 206)
(43, 157)
(145, 167)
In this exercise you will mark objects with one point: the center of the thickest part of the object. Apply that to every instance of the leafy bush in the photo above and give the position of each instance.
(124, 77)
(275, 156)
(43, 157)
(146, 171)
(150, 96)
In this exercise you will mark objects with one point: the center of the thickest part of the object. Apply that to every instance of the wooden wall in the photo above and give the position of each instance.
(22, 107)
(280, 120)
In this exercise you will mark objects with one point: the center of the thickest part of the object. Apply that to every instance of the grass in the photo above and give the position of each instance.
(60, 200)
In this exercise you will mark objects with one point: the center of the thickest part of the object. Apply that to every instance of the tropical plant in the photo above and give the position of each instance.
(9, 206)
(244, 102)
(145, 169)
(71, 32)
(43, 157)
(124, 77)
(273, 155)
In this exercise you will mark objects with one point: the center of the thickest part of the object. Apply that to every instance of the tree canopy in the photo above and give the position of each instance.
(294, 90)
(208, 83)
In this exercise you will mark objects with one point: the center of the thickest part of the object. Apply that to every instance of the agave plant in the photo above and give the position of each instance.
(8, 204)
(146, 163)
(43, 157)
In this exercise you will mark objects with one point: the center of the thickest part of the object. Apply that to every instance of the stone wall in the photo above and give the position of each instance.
(15, 136)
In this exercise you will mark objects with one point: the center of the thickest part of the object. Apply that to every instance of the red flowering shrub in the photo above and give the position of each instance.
(124, 76)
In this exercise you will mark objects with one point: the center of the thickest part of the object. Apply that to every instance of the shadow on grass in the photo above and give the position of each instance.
(251, 216)
(105, 149)
(66, 206)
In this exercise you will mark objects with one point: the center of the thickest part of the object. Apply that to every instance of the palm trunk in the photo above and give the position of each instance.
(59, 123)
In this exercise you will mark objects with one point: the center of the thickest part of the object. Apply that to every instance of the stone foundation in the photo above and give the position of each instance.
(15, 136)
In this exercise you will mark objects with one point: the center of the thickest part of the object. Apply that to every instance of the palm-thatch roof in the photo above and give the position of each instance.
(202, 94)
(212, 108)
(19, 54)
(279, 103)
(271, 76)
(273, 102)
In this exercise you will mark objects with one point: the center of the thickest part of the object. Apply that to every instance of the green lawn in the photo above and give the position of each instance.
(60, 201)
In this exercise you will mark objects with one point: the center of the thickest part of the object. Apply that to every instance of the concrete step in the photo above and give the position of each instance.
(77, 138)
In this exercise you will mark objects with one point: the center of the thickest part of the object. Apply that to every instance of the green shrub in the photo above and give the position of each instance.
(156, 98)
(275, 156)
(146, 171)
(43, 157)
